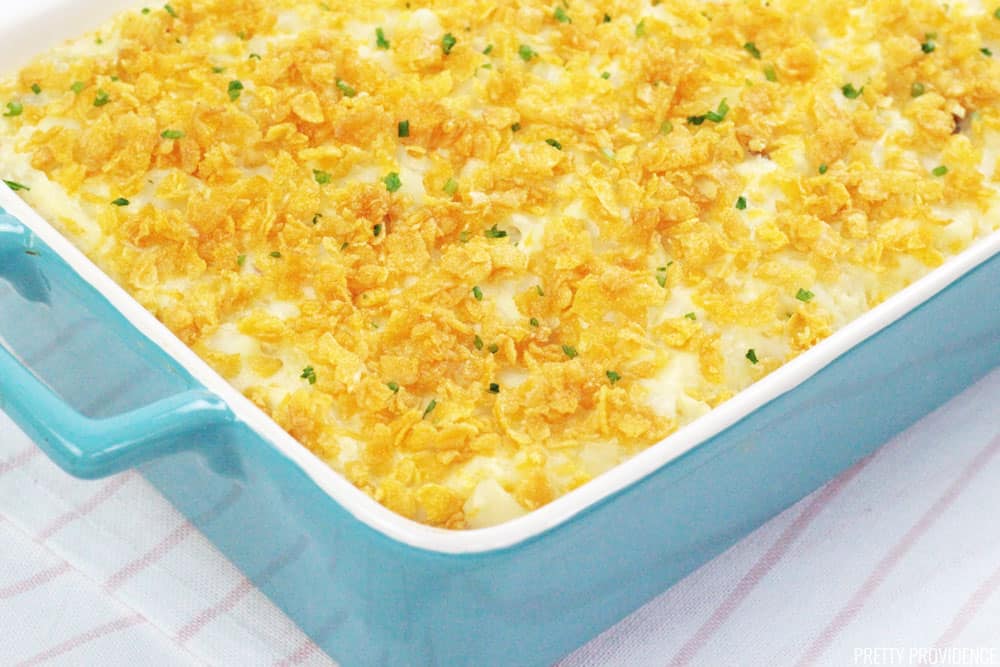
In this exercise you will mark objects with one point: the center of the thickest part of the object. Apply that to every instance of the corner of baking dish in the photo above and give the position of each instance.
(561, 510)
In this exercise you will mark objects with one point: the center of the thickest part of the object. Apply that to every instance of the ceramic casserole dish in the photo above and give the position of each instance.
(102, 386)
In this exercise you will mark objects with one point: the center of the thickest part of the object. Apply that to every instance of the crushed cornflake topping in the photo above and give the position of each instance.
(599, 154)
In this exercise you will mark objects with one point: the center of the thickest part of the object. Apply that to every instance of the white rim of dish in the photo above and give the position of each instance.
(561, 510)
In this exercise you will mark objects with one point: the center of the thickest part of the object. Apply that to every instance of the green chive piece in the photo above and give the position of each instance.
(393, 387)
(804, 295)
(752, 356)
(254, 56)
(516, 127)
(321, 177)
(377, 230)
(607, 18)
(691, 316)
(613, 376)
(917, 89)
(560, 15)
(121, 201)
(538, 288)
(494, 388)
(741, 203)
(569, 351)
(477, 342)
(380, 40)
(996, 14)
(605, 75)
(36, 89)
(346, 89)
(15, 186)
(448, 42)
(464, 235)
(235, 87)
(392, 182)
(493, 348)
(555, 144)
(14, 109)
(533, 321)
(276, 254)
(241, 260)
(309, 374)
(403, 128)
(316, 218)
(640, 28)
(661, 276)
(666, 127)
(823, 169)
(145, 10)
(478, 293)
(928, 46)
(494, 233)
(172, 134)
(218, 70)
(985, 51)
(101, 98)
(488, 50)
(78, 87)
(430, 408)
(718, 115)
(451, 187)
(526, 52)
(940, 170)
(752, 49)
(850, 92)
(770, 74)
(170, 10)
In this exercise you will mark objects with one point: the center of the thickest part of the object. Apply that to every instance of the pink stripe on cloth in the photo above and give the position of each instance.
(81, 639)
(896, 554)
(69, 517)
(18, 460)
(765, 564)
(970, 609)
(306, 650)
(171, 541)
(230, 600)
(34, 581)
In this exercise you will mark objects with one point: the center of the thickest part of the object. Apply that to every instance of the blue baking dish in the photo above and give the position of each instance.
(372, 588)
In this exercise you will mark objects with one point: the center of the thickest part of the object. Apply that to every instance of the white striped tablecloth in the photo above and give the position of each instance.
(896, 562)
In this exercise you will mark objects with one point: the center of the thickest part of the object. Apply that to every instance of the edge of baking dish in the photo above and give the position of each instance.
(559, 511)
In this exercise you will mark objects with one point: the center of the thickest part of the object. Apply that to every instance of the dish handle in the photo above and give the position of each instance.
(83, 446)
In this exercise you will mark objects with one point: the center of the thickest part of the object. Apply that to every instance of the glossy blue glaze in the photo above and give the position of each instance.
(369, 600)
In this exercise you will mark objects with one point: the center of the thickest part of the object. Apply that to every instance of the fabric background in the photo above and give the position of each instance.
(900, 552)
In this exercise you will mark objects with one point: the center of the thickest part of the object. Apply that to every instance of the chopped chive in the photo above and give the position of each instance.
(605, 75)
(241, 260)
(493, 348)
(538, 288)
(121, 201)
(488, 50)
(235, 87)
(770, 74)
(752, 49)
(14, 109)
(823, 168)
(392, 182)
(276, 254)
(526, 52)
(741, 203)
(752, 356)
(377, 230)
(393, 387)
(242, 35)
(661, 276)
(403, 128)
(309, 374)
(345, 88)
(940, 170)
(218, 70)
(430, 408)
(448, 42)
(172, 134)
(804, 295)
(666, 127)
(145, 10)
(494, 233)
(640, 28)
(996, 13)
(917, 89)
(464, 235)
(15, 186)
(560, 15)
(254, 56)
(516, 127)
(36, 89)
(533, 321)
(555, 144)
(928, 46)
(101, 98)
(321, 177)
(478, 293)
(691, 316)
(720, 114)
(986, 52)
(170, 10)
(316, 218)
(850, 92)
(477, 342)
(569, 351)
(451, 187)
(380, 40)
(613, 376)
(78, 87)
(607, 19)
(494, 388)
